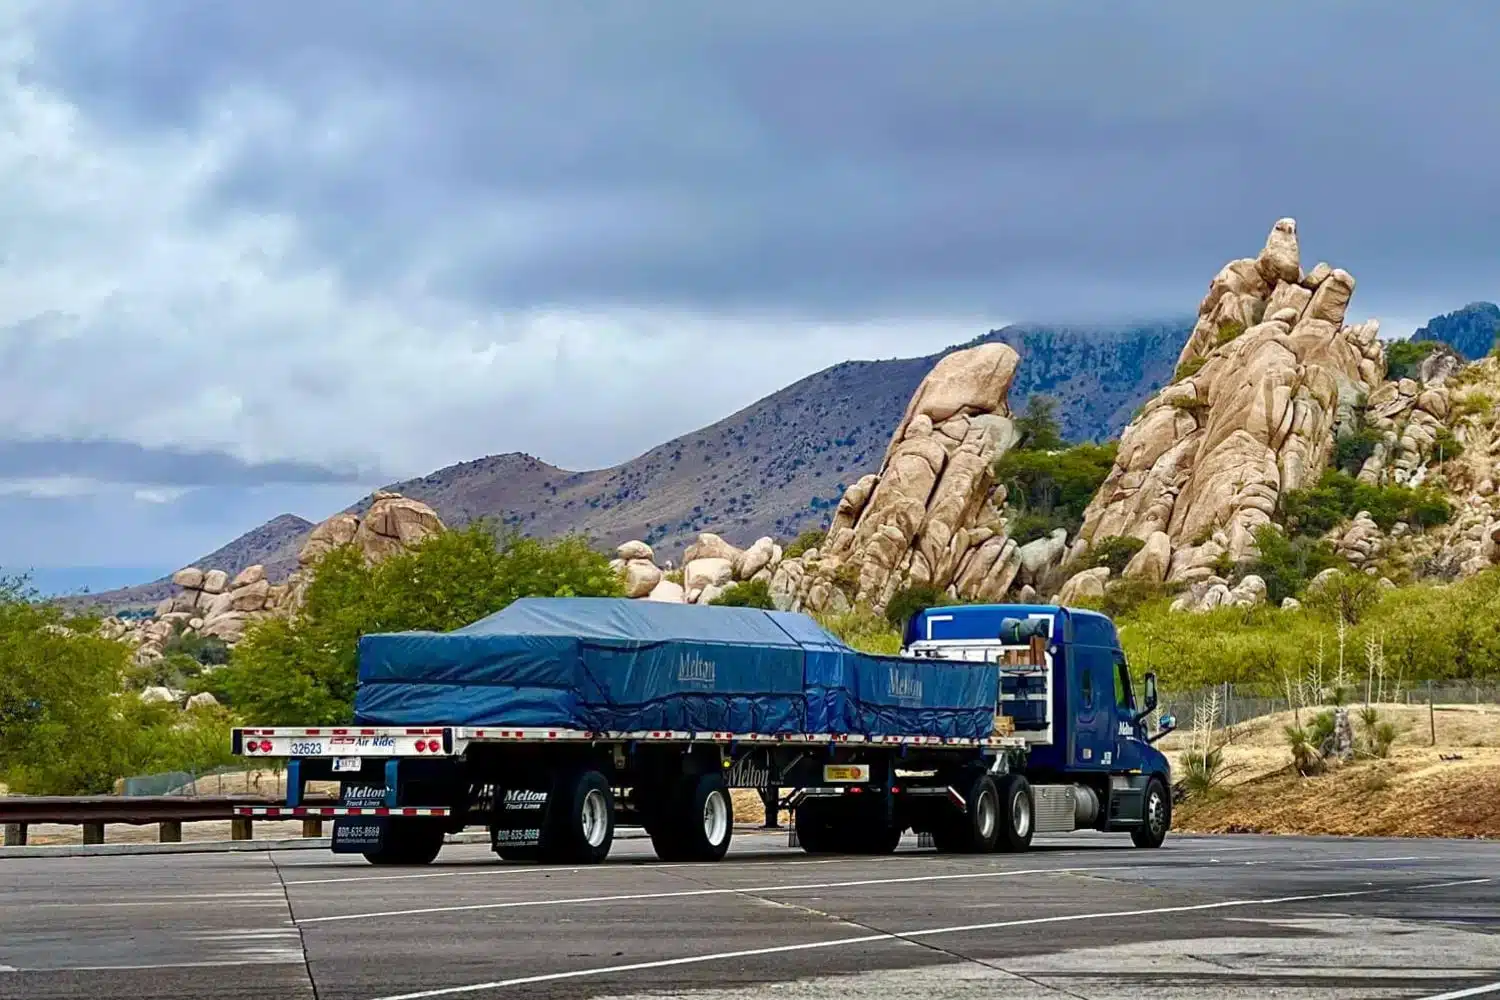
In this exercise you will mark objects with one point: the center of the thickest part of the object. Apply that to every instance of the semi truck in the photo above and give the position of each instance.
(554, 720)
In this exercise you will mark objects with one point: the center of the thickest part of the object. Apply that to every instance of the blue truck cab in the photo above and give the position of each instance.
(1067, 691)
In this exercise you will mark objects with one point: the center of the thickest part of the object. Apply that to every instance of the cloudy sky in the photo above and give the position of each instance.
(257, 257)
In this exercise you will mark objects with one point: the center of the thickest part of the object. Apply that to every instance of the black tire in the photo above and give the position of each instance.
(976, 830)
(1017, 813)
(580, 822)
(697, 822)
(408, 842)
(880, 839)
(1156, 815)
(815, 830)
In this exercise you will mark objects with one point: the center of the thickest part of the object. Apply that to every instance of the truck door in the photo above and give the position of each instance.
(1091, 738)
(1128, 733)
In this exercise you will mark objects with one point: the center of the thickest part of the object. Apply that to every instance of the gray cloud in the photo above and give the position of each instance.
(123, 462)
(358, 234)
(848, 158)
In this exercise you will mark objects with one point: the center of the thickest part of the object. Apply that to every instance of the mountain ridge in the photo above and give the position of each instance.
(775, 467)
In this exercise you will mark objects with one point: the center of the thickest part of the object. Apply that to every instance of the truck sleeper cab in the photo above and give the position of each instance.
(1067, 691)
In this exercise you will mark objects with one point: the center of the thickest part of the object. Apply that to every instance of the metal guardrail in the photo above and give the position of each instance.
(169, 812)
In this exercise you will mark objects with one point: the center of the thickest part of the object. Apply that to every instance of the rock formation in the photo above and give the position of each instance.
(214, 606)
(709, 567)
(932, 514)
(1267, 377)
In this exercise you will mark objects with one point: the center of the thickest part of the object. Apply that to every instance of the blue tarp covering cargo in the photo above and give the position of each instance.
(606, 664)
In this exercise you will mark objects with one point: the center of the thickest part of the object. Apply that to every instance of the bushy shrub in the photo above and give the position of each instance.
(1116, 551)
(746, 594)
(210, 651)
(810, 539)
(1351, 451)
(1338, 496)
(1347, 595)
(907, 601)
(1287, 564)
(1188, 368)
(1046, 490)
(1446, 447)
(1403, 358)
(863, 630)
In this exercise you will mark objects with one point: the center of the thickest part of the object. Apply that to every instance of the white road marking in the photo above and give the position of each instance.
(911, 936)
(1474, 991)
(1183, 849)
(602, 869)
(751, 889)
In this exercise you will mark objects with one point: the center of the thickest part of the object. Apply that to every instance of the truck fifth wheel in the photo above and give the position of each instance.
(554, 720)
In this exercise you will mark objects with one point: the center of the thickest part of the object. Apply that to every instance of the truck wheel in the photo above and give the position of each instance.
(408, 842)
(698, 822)
(977, 829)
(1017, 813)
(1156, 816)
(580, 823)
(815, 832)
(880, 839)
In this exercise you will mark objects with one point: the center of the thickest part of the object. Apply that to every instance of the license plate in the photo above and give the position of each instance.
(346, 763)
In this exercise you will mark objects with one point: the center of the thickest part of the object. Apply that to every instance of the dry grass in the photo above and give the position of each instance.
(1414, 793)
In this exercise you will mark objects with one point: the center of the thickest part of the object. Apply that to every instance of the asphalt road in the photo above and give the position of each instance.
(1080, 916)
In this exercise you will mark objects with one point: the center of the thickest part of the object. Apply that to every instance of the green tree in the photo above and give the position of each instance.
(302, 671)
(1038, 429)
(64, 728)
(1046, 490)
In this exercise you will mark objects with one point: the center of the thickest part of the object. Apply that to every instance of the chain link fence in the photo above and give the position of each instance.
(1241, 702)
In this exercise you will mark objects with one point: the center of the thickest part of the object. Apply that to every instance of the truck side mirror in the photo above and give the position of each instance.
(1150, 697)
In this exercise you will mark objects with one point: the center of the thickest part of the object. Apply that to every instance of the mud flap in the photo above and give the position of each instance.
(519, 817)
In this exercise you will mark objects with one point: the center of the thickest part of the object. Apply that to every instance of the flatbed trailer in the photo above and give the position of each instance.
(1062, 757)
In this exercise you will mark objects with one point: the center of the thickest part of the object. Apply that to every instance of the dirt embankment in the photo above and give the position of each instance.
(1450, 789)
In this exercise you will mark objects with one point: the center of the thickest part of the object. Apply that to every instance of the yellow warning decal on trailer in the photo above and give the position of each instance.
(846, 772)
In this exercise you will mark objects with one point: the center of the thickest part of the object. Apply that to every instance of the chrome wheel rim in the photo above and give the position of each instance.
(595, 818)
(1020, 814)
(716, 818)
(1156, 817)
(988, 815)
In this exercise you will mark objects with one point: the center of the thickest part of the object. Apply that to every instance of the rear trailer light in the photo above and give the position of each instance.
(265, 746)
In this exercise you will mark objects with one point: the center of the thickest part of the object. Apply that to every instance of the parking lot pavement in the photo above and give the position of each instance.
(1081, 916)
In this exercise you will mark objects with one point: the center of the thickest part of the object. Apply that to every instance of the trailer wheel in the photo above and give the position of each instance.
(880, 839)
(1017, 813)
(1156, 816)
(580, 823)
(978, 828)
(408, 842)
(697, 823)
(814, 828)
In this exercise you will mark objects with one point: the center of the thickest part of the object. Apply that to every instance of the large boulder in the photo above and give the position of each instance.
(393, 524)
(1086, 584)
(641, 577)
(927, 515)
